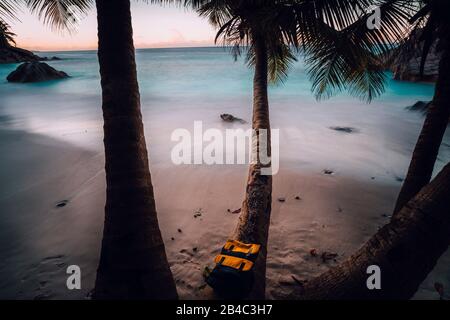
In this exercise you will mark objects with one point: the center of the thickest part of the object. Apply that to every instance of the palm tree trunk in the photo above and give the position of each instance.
(406, 250)
(133, 262)
(253, 225)
(427, 148)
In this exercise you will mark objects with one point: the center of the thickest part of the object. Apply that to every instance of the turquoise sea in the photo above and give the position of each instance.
(181, 85)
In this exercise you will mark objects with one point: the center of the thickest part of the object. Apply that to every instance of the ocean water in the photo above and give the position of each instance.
(182, 85)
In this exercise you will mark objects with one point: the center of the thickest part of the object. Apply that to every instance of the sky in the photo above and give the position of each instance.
(154, 26)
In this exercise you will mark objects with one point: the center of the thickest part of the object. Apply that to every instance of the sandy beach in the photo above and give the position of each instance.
(39, 239)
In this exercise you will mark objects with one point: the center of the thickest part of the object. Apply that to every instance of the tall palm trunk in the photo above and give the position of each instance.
(253, 225)
(133, 263)
(427, 148)
(406, 250)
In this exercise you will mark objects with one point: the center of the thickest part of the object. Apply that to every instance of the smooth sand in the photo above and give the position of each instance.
(38, 240)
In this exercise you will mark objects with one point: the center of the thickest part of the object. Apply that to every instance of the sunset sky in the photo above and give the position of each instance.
(154, 26)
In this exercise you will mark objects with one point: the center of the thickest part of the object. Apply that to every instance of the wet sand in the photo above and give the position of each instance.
(38, 239)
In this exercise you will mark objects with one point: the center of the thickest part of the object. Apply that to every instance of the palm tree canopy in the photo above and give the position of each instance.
(60, 14)
(241, 22)
(340, 51)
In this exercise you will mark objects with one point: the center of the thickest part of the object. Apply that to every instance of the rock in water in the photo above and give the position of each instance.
(230, 118)
(405, 61)
(35, 72)
(421, 106)
(344, 129)
(14, 55)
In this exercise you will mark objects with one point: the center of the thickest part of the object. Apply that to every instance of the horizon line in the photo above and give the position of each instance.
(140, 48)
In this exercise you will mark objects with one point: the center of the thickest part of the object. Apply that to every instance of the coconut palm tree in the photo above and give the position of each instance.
(133, 262)
(418, 233)
(433, 23)
(269, 32)
(406, 251)
(245, 26)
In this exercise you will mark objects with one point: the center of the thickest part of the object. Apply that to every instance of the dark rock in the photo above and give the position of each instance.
(298, 198)
(62, 203)
(54, 58)
(421, 106)
(328, 172)
(344, 129)
(198, 213)
(230, 118)
(15, 55)
(35, 72)
(405, 61)
(410, 70)
(281, 199)
(180, 231)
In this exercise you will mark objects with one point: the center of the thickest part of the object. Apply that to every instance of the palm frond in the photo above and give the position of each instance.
(8, 8)
(6, 35)
(338, 61)
(280, 62)
(60, 14)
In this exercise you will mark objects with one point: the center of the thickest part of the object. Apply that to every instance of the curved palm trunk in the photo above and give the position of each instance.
(406, 250)
(427, 148)
(253, 225)
(133, 263)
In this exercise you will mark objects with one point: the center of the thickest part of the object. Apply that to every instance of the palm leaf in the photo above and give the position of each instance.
(8, 8)
(6, 36)
(60, 14)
